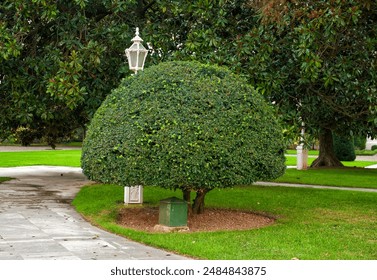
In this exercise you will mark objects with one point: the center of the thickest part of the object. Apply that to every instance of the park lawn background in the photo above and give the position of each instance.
(310, 223)
(291, 160)
(316, 152)
(342, 177)
(49, 157)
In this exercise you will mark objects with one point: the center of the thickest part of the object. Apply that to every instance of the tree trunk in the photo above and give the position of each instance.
(326, 156)
(187, 197)
(198, 205)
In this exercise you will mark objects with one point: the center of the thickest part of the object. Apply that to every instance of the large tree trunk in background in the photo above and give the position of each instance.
(326, 156)
(198, 205)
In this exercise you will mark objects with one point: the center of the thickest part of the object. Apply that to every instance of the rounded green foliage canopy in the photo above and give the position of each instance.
(183, 125)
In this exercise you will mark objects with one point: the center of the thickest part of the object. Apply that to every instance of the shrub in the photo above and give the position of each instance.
(26, 135)
(184, 125)
(344, 148)
(360, 142)
(374, 147)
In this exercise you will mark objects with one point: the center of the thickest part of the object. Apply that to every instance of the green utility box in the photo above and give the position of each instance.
(173, 212)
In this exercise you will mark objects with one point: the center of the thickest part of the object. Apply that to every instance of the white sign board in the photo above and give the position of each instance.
(133, 195)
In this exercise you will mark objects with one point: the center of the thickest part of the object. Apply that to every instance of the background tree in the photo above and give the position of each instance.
(317, 61)
(58, 60)
(201, 30)
(184, 125)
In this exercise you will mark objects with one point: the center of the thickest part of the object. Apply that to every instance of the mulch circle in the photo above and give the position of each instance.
(145, 219)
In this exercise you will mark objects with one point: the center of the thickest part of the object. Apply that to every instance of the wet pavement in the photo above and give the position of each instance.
(38, 222)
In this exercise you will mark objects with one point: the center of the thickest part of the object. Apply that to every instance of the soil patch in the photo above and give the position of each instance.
(145, 218)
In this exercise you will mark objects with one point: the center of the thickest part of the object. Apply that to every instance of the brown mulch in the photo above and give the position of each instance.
(145, 219)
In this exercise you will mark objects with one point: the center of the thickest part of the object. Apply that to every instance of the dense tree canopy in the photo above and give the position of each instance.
(58, 60)
(184, 125)
(317, 61)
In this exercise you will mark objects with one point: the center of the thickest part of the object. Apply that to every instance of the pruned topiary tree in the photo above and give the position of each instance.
(184, 125)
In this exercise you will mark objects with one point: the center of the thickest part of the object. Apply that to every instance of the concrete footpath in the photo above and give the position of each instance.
(38, 222)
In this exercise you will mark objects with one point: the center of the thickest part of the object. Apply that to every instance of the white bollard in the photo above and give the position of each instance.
(302, 157)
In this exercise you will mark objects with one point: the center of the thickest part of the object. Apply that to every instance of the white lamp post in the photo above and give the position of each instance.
(136, 55)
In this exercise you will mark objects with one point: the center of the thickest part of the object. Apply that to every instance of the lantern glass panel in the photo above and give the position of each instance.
(132, 59)
(142, 57)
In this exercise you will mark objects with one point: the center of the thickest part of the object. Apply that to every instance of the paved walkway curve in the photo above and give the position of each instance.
(38, 222)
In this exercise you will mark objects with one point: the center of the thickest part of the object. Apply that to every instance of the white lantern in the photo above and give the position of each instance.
(136, 54)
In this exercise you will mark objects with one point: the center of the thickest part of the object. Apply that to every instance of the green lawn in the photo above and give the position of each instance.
(341, 177)
(310, 152)
(358, 163)
(315, 152)
(50, 157)
(311, 224)
(292, 161)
